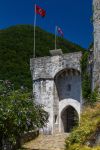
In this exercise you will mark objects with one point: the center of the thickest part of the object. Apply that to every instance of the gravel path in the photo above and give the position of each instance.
(47, 142)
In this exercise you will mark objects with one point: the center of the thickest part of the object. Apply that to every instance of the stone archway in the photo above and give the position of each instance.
(68, 84)
(70, 119)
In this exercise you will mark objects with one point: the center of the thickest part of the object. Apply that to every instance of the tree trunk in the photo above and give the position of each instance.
(0, 141)
(18, 143)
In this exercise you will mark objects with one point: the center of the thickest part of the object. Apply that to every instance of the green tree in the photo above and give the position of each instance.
(86, 87)
(86, 81)
(18, 113)
(84, 62)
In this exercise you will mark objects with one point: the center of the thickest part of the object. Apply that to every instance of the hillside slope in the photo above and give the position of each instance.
(87, 135)
(16, 49)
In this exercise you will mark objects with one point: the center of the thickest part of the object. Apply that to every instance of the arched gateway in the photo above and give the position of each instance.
(57, 85)
(69, 118)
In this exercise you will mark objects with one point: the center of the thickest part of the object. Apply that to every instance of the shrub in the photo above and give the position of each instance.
(18, 114)
(89, 123)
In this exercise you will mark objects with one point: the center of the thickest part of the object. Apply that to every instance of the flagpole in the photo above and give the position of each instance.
(34, 31)
(55, 37)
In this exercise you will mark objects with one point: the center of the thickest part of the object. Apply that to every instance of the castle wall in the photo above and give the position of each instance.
(96, 24)
(43, 91)
(48, 67)
(45, 88)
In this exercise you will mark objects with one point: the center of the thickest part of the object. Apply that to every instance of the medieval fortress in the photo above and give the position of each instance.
(57, 82)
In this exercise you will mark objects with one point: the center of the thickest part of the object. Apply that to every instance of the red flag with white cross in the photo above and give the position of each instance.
(40, 11)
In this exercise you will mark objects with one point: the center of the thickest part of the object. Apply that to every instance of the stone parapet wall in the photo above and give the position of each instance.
(48, 67)
(28, 136)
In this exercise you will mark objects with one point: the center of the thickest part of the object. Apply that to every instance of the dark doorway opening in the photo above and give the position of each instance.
(69, 119)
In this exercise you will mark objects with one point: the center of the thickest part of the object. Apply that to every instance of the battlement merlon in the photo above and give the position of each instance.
(47, 67)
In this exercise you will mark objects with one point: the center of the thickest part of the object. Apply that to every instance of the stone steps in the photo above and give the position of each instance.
(47, 142)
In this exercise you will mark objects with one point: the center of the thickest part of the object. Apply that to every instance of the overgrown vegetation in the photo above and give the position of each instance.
(86, 80)
(18, 114)
(89, 96)
(84, 136)
(16, 49)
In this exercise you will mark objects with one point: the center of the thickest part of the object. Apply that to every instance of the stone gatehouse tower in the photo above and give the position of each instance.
(57, 85)
(96, 24)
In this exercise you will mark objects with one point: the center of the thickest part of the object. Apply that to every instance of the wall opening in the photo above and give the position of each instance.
(69, 119)
(55, 119)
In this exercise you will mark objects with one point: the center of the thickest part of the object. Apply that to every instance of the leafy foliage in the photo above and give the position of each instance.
(18, 113)
(86, 80)
(16, 49)
(81, 137)
(86, 86)
(84, 62)
(94, 96)
(89, 96)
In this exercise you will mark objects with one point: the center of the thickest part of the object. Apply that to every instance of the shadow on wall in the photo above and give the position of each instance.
(68, 84)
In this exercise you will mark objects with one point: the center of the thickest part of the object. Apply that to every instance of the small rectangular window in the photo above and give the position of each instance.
(55, 118)
(68, 87)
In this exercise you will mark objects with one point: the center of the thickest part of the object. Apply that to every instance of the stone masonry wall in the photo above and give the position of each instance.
(48, 67)
(96, 23)
(44, 71)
